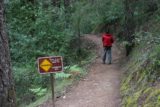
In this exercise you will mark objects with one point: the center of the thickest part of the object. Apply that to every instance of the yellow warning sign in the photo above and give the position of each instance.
(46, 65)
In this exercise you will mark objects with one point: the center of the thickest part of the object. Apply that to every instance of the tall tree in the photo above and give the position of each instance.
(67, 12)
(7, 93)
(129, 26)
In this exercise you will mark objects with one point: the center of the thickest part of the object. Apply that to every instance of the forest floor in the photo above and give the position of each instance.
(100, 88)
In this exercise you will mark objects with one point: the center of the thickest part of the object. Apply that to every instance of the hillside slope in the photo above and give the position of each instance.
(140, 86)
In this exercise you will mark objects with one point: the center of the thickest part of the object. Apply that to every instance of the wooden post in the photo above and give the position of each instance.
(52, 87)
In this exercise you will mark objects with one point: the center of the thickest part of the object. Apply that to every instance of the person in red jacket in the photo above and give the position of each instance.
(107, 40)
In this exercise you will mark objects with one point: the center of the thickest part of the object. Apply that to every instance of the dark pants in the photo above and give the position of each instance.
(107, 54)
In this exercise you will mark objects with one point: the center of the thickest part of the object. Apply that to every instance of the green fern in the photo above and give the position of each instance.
(76, 68)
(39, 91)
(62, 75)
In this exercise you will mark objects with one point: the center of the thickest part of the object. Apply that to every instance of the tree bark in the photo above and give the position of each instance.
(7, 93)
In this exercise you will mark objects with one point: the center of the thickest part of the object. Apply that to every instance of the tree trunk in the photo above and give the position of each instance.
(129, 25)
(67, 12)
(7, 93)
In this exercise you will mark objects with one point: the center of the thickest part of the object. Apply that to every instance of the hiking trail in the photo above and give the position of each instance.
(100, 88)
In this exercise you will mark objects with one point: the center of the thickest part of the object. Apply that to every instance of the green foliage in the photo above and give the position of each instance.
(39, 91)
(154, 65)
(62, 75)
(39, 101)
(36, 31)
(96, 13)
(76, 68)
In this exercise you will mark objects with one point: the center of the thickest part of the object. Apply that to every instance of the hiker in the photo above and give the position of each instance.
(107, 40)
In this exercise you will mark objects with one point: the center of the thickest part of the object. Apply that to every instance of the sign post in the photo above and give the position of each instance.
(52, 87)
(50, 65)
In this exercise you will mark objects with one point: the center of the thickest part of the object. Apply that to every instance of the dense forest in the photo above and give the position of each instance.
(37, 28)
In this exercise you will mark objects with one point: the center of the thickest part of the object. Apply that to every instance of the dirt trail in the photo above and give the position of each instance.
(101, 86)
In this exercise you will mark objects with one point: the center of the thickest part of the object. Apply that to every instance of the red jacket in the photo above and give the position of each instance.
(107, 40)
